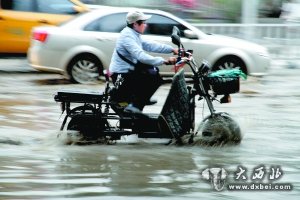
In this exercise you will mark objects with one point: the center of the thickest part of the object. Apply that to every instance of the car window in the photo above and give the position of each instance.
(18, 5)
(56, 7)
(156, 25)
(113, 23)
(49, 6)
(162, 25)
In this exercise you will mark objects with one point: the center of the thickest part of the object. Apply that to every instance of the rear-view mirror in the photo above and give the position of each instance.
(79, 9)
(190, 34)
(176, 36)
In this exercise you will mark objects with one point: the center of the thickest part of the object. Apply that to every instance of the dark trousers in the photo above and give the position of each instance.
(135, 87)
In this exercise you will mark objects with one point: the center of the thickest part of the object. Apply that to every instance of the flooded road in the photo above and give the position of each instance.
(35, 164)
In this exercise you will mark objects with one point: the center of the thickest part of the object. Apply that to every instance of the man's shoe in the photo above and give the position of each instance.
(132, 109)
(151, 102)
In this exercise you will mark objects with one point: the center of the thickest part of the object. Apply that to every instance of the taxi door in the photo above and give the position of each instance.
(18, 17)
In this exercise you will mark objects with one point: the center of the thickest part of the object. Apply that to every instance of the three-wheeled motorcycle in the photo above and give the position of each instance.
(96, 119)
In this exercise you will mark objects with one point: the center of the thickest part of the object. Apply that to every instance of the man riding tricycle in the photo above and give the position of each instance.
(100, 118)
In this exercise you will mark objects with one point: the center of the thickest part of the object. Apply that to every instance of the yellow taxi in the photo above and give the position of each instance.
(17, 17)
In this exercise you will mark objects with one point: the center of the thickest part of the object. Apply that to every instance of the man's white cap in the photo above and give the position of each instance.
(134, 16)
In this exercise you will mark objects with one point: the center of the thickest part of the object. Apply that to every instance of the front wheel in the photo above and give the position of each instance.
(230, 62)
(85, 68)
(218, 129)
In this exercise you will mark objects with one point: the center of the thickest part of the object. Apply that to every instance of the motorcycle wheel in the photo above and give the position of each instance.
(218, 130)
(85, 129)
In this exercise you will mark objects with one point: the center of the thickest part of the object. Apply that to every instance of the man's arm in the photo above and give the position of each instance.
(156, 47)
(137, 53)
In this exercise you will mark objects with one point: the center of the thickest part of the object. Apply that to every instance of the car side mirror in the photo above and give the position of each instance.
(190, 34)
(79, 9)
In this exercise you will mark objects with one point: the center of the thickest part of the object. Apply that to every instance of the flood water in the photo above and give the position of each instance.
(35, 164)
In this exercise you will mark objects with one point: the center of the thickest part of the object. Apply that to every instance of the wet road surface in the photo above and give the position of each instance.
(35, 164)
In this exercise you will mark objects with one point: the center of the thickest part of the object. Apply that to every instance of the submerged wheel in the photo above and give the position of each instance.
(88, 129)
(85, 68)
(219, 129)
(230, 62)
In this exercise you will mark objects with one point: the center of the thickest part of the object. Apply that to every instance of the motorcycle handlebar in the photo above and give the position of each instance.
(185, 57)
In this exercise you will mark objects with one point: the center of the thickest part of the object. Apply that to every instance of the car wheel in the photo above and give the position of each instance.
(230, 62)
(85, 69)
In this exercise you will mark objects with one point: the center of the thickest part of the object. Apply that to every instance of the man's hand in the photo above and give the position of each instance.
(170, 61)
(175, 51)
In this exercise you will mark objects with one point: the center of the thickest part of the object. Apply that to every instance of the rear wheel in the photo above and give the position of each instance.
(85, 68)
(230, 62)
(86, 129)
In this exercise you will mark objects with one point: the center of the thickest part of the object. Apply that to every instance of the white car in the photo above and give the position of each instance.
(291, 11)
(82, 47)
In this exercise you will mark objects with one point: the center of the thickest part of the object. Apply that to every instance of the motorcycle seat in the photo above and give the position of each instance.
(82, 96)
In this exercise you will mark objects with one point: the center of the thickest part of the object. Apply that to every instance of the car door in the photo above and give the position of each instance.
(15, 24)
(103, 33)
(17, 17)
